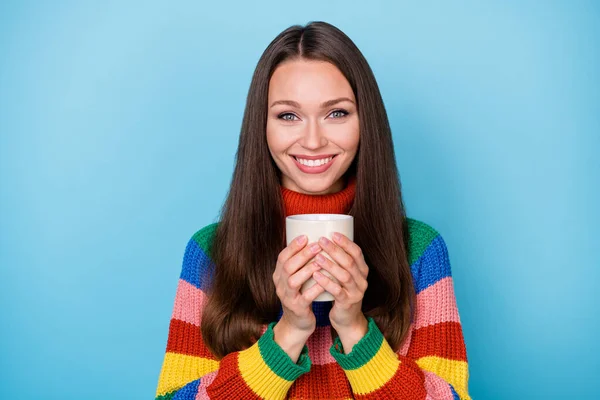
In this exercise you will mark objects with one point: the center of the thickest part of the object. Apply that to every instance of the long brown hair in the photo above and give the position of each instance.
(251, 230)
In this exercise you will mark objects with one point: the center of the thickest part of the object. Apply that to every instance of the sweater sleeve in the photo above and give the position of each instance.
(435, 365)
(190, 371)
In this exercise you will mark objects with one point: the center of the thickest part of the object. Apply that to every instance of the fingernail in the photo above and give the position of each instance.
(301, 239)
(314, 247)
(337, 236)
(320, 258)
(323, 241)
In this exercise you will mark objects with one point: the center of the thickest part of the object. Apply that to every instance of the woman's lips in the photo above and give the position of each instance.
(313, 170)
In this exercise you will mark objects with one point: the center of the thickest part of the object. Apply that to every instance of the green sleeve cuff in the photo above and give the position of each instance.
(362, 352)
(278, 360)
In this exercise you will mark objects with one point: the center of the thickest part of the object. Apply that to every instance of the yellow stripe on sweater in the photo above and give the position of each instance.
(454, 372)
(259, 377)
(375, 373)
(179, 369)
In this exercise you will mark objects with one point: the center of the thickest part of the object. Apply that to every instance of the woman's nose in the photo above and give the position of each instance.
(314, 136)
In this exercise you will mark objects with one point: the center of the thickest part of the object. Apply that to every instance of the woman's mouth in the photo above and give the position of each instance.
(313, 166)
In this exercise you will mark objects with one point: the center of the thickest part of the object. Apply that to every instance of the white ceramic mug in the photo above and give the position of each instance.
(314, 226)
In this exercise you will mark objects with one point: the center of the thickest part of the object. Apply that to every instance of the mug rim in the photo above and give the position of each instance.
(319, 217)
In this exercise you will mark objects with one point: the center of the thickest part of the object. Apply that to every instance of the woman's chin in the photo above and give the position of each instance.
(315, 186)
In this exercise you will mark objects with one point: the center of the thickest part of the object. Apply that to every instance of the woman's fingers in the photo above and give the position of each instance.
(338, 254)
(311, 293)
(301, 258)
(292, 270)
(335, 289)
(296, 280)
(295, 246)
(355, 252)
(339, 273)
(348, 265)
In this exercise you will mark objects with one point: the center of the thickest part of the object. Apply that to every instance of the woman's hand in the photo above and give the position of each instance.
(350, 269)
(290, 274)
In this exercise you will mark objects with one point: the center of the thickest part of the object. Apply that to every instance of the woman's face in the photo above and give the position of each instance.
(312, 114)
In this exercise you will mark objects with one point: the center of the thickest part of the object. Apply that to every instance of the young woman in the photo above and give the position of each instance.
(315, 138)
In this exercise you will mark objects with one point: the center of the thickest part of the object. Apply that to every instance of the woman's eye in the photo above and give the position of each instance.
(340, 113)
(336, 115)
(283, 116)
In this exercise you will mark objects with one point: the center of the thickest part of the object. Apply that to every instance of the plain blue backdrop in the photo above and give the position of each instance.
(119, 123)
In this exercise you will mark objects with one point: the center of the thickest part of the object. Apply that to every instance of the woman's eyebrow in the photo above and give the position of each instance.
(328, 103)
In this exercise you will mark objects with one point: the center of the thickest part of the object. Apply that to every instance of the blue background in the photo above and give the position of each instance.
(119, 123)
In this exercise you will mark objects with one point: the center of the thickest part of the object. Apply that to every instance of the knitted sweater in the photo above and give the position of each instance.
(431, 363)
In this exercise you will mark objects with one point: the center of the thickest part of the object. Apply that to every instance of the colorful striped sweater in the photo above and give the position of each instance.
(431, 363)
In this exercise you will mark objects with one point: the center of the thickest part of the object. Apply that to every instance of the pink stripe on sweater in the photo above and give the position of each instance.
(436, 387)
(437, 304)
(404, 346)
(318, 346)
(205, 381)
(189, 303)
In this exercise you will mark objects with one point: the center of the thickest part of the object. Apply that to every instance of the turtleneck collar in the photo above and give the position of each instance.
(333, 203)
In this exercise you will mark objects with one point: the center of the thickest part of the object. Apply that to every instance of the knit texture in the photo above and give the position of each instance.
(431, 363)
(334, 203)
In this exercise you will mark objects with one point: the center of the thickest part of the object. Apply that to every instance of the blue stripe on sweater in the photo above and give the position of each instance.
(432, 266)
(197, 268)
(454, 394)
(188, 392)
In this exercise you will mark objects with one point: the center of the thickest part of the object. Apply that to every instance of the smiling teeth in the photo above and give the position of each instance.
(314, 163)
